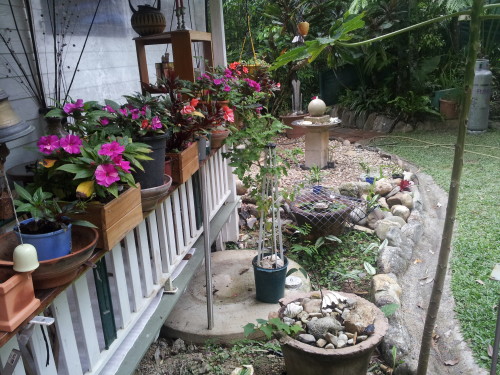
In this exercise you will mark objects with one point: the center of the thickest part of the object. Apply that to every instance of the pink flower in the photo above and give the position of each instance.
(187, 109)
(227, 88)
(71, 144)
(111, 149)
(156, 123)
(228, 73)
(217, 81)
(123, 164)
(228, 114)
(104, 121)
(135, 113)
(48, 143)
(107, 108)
(253, 84)
(70, 107)
(124, 111)
(106, 175)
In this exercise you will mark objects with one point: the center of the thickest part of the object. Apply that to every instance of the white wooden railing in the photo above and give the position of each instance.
(138, 270)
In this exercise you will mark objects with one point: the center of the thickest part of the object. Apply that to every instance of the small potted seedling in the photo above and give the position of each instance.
(315, 177)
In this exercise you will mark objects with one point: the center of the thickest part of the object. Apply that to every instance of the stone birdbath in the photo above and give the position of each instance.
(317, 126)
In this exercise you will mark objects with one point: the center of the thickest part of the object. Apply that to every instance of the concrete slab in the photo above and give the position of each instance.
(234, 300)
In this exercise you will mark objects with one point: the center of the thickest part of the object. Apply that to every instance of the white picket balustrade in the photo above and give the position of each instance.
(138, 269)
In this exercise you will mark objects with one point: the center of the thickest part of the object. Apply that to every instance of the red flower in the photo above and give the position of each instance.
(145, 124)
(228, 114)
(194, 102)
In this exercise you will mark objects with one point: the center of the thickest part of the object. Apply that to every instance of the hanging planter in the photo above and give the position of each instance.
(303, 28)
(147, 20)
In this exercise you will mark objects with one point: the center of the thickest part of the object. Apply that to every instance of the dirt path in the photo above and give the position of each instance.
(449, 347)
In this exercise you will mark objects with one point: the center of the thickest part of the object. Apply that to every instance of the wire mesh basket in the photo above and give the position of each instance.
(325, 212)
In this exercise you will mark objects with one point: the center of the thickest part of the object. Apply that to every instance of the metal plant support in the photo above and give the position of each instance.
(270, 192)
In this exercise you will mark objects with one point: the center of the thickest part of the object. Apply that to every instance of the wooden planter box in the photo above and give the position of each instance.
(116, 218)
(17, 301)
(184, 164)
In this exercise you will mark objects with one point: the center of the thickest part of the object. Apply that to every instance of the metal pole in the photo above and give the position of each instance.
(494, 357)
(206, 244)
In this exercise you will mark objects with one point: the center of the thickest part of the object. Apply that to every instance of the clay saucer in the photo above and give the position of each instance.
(53, 272)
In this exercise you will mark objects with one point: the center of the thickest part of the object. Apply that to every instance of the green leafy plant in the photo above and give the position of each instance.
(47, 212)
(315, 175)
(271, 327)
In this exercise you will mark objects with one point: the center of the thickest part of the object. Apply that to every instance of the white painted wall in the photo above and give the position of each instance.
(108, 67)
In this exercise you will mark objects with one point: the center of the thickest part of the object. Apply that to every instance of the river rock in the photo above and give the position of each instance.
(306, 338)
(319, 327)
(385, 290)
(401, 211)
(392, 260)
(359, 318)
(312, 305)
(383, 187)
(321, 343)
(401, 198)
(374, 216)
(292, 310)
(395, 219)
(349, 189)
(383, 226)
(383, 203)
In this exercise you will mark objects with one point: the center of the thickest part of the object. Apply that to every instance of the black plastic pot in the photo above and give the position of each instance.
(152, 176)
(269, 283)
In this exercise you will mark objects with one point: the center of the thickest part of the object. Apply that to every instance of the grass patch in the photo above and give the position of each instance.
(341, 266)
(476, 240)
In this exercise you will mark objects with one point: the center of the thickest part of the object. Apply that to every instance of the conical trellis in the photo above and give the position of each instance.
(270, 192)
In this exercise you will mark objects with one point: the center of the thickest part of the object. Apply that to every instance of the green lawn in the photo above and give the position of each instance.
(476, 244)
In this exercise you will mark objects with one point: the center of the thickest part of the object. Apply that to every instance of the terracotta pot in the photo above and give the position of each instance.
(294, 131)
(448, 108)
(218, 137)
(54, 272)
(304, 359)
(17, 300)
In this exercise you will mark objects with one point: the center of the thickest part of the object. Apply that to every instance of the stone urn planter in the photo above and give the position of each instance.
(306, 359)
(294, 131)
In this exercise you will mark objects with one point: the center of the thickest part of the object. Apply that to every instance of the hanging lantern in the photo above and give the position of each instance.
(11, 126)
(303, 28)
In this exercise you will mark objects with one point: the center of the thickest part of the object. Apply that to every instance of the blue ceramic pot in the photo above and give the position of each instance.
(48, 245)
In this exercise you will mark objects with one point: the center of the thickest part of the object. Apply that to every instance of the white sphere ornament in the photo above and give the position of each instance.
(316, 107)
(25, 258)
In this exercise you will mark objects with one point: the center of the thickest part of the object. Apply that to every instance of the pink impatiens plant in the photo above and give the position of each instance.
(88, 168)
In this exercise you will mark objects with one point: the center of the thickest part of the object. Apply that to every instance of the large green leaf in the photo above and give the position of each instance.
(72, 168)
(23, 193)
(298, 53)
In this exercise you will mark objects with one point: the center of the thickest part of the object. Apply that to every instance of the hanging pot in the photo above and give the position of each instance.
(303, 28)
(147, 20)
(152, 175)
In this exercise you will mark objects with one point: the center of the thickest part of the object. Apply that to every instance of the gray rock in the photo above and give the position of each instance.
(346, 143)
(392, 260)
(383, 187)
(349, 189)
(319, 327)
(395, 219)
(331, 338)
(370, 121)
(403, 127)
(385, 290)
(329, 346)
(383, 203)
(383, 124)
(397, 335)
(393, 192)
(401, 198)
(401, 211)
(306, 338)
(374, 216)
(383, 226)
(361, 119)
(396, 238)
(292, 310)
(288, 320)
(409, 367)
(251, 222)
(341, 343)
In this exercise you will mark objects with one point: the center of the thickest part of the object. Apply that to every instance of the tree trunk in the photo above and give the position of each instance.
(444, 252)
